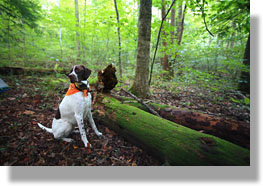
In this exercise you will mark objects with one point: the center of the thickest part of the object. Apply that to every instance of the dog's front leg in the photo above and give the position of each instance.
(79, 118)
(92, 123)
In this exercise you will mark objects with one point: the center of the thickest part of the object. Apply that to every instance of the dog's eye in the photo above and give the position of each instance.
(77, 70)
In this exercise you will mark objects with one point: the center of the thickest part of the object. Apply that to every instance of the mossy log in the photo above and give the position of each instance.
(237, 132)
(172, 143)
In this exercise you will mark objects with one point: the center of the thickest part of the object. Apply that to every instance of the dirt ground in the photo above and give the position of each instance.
(22, 142)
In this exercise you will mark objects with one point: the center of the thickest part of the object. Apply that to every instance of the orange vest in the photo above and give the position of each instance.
(72, 90)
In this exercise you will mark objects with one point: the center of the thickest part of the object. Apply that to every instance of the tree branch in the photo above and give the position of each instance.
(203, 15)
(141, 102)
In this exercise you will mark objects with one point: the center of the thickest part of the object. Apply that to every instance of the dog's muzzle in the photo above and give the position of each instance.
(72, 78)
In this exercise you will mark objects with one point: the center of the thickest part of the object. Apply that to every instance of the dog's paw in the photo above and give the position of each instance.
(69, 140)
(89, 146)
(99, 134)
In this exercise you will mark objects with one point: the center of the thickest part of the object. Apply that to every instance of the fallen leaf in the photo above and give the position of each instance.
(11, 99)
(134, 164)
(29, 112)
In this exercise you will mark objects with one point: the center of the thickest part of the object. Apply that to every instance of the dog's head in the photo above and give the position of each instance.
(79, 73)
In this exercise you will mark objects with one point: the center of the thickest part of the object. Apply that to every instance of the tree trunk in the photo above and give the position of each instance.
(24, 46)
(84, 33)
(173, 144)
(181, 27)
(171, 70)
(140, 85)
(232, 43)
(60, 35)
(179, 34)
(244, 84)
(77, 32)
(179, 20)
(8, 39)
(119, 37)
(165, 56)
(237, 132)
(173, 25)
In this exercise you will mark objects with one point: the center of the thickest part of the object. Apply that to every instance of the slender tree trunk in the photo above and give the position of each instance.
(178, 20)
(232, 43)
(84, 32)
(140, 85)
(180, 30)
(119, 36)
(77, 32)
(244, 84)
(171, 70)
(173, 25)
(8, 38)
(24, 44)
(165, 56)
(60, 35)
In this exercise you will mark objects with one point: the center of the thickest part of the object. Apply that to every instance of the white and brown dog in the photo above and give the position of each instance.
(74, 108)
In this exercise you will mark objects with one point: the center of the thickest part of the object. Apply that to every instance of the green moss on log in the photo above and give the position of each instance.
(169, 141)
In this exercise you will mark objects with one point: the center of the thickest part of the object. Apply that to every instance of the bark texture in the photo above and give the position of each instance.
(164, 35)
(140, 85)
(244, 84)
(77, 33)
(107, 79)
(237, 132)
(119, 36)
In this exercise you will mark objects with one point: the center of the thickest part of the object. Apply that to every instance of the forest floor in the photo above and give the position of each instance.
(30, 101)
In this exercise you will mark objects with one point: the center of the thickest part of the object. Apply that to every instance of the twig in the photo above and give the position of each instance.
(125, 147)
(203, 15)
(158, 38)
(140, 101)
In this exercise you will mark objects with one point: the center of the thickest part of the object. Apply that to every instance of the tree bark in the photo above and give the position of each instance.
(77, 32)
(173, 25)
(60, 35)
(119, 37)
(237, 132)
(107, 79)
(179, 34)
(178, 20)
(140, 85)
(8, 39)
(181, 27)
(244, 84)
(165, 56)
(171, 143)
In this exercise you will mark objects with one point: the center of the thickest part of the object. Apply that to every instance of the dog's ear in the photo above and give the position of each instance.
(87, 72)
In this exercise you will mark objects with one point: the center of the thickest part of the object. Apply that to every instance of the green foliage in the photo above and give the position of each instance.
(30, 37)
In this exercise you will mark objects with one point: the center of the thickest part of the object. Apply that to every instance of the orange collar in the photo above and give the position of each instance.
(72, 90)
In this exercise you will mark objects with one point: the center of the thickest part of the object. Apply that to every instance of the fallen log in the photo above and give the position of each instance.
(171, 143)
(237, 132)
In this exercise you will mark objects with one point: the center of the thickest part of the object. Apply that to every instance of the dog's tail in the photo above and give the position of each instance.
(45, 128)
